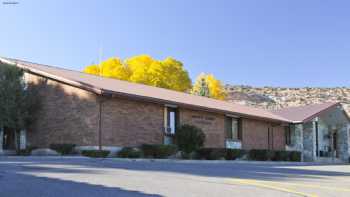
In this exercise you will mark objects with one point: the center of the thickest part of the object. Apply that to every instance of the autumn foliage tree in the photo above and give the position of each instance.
(168, 73)
(207, 85)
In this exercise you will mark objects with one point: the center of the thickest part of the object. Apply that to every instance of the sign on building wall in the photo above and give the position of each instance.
(207, 120)
(232, 144)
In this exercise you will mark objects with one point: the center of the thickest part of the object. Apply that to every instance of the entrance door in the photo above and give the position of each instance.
(9, 139)
(335, 142)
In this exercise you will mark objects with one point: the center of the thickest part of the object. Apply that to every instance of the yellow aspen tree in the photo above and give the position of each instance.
(216, 89)
(207, 85)
(114, 68)
(139, 66)
(92, 69)
(175, 75)
(168, 73)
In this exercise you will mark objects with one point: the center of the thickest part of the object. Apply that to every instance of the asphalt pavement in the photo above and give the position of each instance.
(86, 177)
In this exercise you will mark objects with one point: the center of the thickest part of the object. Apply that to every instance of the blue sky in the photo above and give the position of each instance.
(262, 43)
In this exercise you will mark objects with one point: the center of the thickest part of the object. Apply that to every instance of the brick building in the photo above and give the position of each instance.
(89, 111)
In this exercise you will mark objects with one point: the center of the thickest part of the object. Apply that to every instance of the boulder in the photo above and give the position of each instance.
(44, 152)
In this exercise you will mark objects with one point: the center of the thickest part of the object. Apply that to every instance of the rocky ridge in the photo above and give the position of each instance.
(279, 97)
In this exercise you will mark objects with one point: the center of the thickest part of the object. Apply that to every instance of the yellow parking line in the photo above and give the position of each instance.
(316, 186)
(265, 184)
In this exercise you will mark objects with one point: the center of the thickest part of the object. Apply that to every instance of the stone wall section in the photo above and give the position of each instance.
(343, 143)
(296, 139)
(308, 141)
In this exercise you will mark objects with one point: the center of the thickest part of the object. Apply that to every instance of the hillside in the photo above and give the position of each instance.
(278, 97)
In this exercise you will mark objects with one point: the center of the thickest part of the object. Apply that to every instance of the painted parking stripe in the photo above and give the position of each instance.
(267, 185)
(315, 186)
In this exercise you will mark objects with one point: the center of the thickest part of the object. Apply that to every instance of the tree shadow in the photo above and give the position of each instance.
(19, 184)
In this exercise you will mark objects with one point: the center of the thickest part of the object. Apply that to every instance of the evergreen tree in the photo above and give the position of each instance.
(18, 100)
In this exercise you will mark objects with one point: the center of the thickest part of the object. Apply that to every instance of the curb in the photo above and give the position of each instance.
(180, 161)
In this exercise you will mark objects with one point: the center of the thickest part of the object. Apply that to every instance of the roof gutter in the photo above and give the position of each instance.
(213, 110)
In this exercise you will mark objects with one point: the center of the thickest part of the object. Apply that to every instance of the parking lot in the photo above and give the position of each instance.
(78, 176)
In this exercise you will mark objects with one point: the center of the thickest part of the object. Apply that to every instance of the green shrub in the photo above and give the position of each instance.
(159, 151)
(233, 154)
(189, 138)
(95, 153)
(128, 152)
(211, 153)
(294, 156)
(259, 155)
(63, 149)
(27, 151)
(265, 155)
(281, 155)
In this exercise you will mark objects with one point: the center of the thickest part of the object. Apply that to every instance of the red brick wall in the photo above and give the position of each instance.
(212, 125)
(67, 115)
(279, 142)
(70, 115)
(131, 123)
(255, 135)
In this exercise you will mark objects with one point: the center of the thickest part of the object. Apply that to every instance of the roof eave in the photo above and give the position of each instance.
(163, 102)
(320, 112)
(103, 92)
(53, 77)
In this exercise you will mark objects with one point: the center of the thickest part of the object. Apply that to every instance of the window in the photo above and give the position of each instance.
(171, 120)
(288, 134)
(233, 128)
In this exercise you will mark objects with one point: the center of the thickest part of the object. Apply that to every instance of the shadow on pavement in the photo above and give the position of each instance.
(18, 185)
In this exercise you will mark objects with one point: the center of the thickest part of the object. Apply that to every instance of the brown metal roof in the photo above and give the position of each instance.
(101, 85)
(305, 113)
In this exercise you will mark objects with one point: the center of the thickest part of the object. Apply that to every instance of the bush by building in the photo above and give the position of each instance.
(233, 154)
(189, 138)
(294, 156)
(159, 151)
(129, 152)
(63, 149)
(271, 155)
(95, 153)
(27, 151)
(211, 153)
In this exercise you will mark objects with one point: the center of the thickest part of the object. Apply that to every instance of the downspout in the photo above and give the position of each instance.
(103, 96)
(317, 143)
(100, 124)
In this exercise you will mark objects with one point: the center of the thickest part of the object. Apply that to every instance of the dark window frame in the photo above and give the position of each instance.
(228, 128)
(288, 134)
(176, 120)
